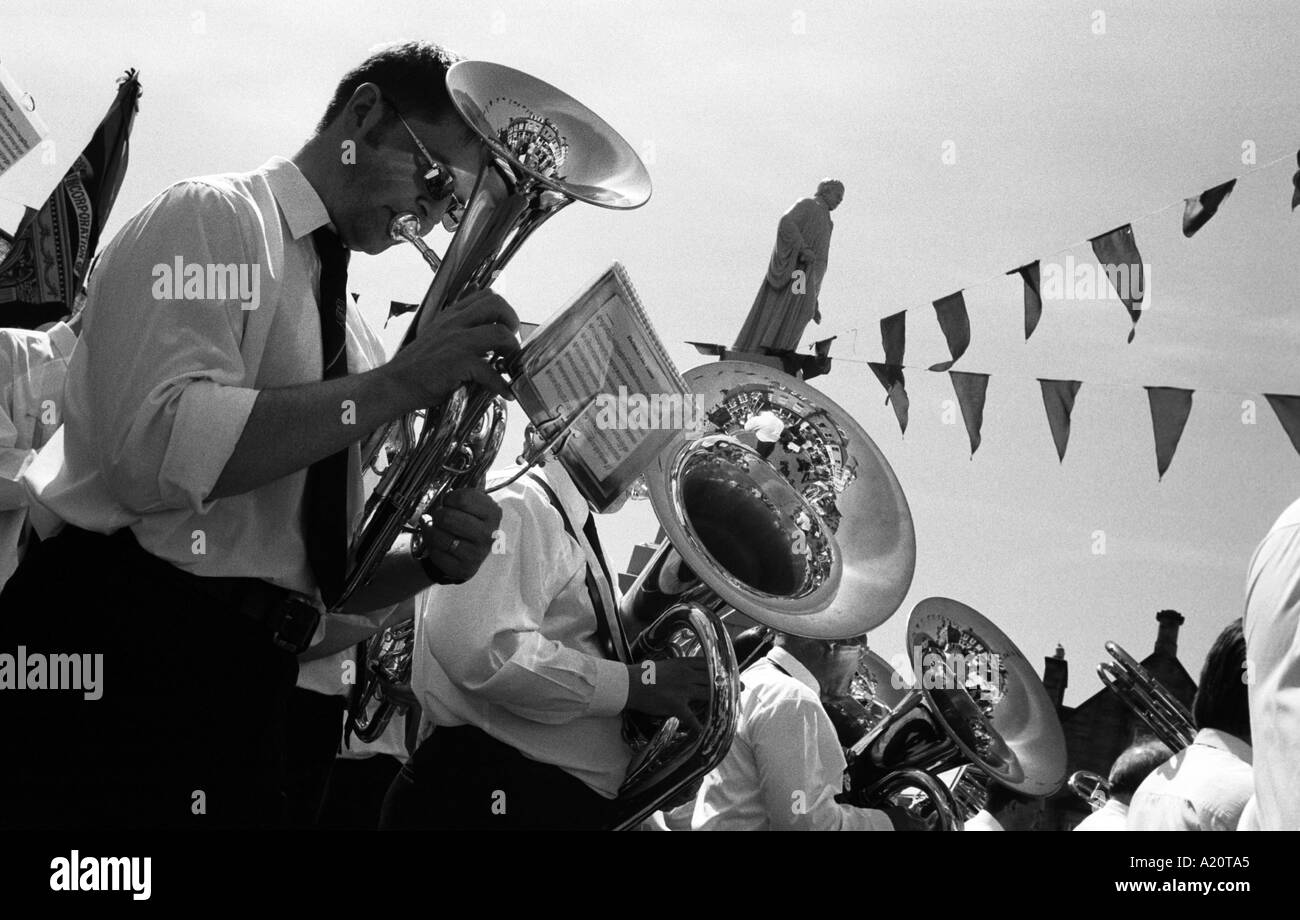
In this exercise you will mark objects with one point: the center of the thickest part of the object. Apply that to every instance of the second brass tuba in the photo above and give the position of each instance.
(815, 540)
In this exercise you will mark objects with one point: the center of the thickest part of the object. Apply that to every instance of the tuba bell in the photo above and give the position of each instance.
(541, 150)
(977, 701)
(815, 540)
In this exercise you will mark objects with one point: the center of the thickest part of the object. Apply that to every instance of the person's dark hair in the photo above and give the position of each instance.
(411, 74)
(1135, 764)
(1221, 702)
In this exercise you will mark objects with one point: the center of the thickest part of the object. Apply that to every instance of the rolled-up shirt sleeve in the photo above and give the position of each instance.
(166, 376)
(487, 634)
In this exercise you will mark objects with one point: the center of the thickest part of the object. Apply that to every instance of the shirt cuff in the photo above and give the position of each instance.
(610, 697)
(208, 423)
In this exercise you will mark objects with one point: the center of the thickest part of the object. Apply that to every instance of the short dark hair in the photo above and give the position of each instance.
(1221, 701)
(1135, 764)
(412, 74)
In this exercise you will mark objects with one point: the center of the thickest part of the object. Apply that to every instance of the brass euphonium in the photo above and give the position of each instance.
(816, 540)
(976, 701)
(541, 151)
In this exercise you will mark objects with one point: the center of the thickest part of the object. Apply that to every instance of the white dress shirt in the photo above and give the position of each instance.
(785, 765)
(1272, 627)
(514, 651)
(983, 820)
(32, 368)
(158, 391)
(1204, 787)
(1113, 816)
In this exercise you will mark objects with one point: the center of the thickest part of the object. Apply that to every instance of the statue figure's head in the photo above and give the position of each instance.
(831, 192)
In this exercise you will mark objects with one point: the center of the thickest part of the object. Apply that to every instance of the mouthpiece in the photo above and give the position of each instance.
(405, 227)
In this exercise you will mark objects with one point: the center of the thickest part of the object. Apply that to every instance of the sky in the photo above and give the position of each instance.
(971, 138)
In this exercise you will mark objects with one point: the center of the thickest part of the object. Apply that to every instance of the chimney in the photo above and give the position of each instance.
(1056, 675)
(1167, 635)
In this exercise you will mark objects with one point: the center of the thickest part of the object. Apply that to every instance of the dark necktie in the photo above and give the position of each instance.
(325, 500)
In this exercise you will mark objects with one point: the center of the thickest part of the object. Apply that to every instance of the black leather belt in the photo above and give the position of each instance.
(290, 619)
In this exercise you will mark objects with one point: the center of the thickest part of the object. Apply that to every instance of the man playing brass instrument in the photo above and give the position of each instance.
(522, 701)
(785, 766)
(208, 465)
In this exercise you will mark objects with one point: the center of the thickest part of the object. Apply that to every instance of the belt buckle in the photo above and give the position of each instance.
(293, 624)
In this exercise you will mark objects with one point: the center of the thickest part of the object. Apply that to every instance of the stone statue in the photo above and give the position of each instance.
(787, 299)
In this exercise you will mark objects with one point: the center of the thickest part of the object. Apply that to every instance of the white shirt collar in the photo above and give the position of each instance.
(62, 339)
(794, 667)
(1212, 737)
(302, 206)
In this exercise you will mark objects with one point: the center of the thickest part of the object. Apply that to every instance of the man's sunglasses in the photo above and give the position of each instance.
(439, 179)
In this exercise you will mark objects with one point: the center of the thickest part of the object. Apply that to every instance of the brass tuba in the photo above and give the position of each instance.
(976, 701)
(541, 151)
(1167, 718)
(816, 540)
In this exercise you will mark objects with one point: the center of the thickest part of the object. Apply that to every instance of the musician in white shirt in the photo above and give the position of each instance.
(1206, 786)
(204, 425)
(785, 766)
(32, 368)
(522, 698)
(1131, 767)
(1272, 625)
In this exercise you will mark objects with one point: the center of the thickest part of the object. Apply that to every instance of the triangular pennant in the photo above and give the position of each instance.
(970, 389)
(1118, 254)
(355, 296)
(1197, 211)
(893, 336)
(891, 378)
(954, 322)
(1033, 296)
(1170, 407)
(1295, 180)
(396, 308)
(1287, 410)
(1058, 400)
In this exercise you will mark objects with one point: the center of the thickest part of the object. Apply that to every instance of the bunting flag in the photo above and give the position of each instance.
(397, 308)
(1118, 254)
(1197, 211)
(1170, 407)
(970, 389)
(1058, 401)
(1287, 410)
(355, 296)
(954, 322)
(50, 253)
(891, 378)
(893, 336)
(1295, 180)
(1033, 296)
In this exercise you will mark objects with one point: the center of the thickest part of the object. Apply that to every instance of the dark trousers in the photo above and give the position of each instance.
(462, 778)
(189, 730)
(356, 790)
(315, 727)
